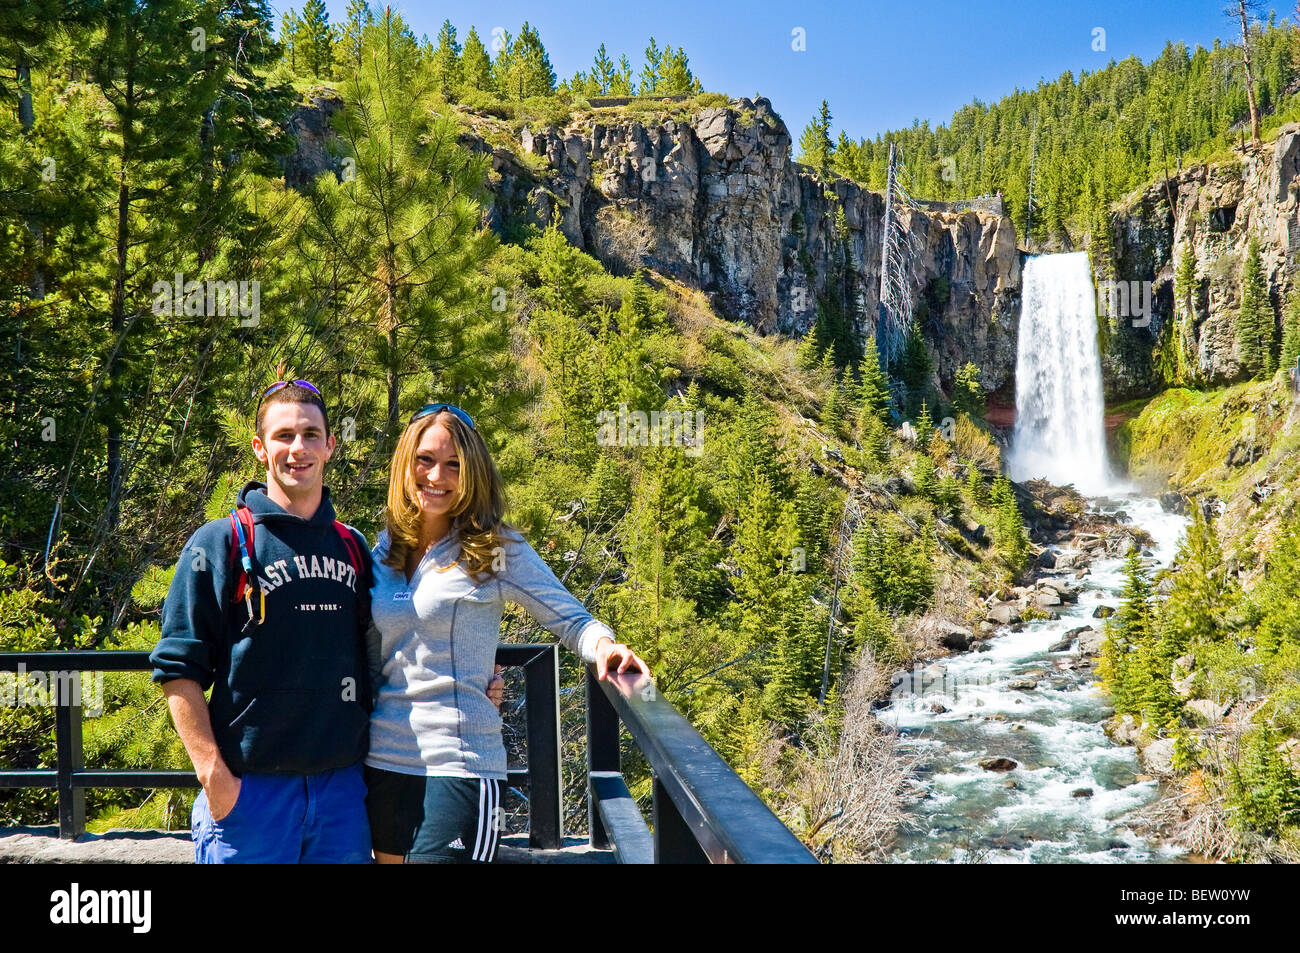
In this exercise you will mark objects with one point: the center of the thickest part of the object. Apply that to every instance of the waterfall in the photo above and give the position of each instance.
(1059, 433)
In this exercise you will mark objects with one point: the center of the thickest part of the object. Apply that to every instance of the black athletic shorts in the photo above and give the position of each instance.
(433, 820)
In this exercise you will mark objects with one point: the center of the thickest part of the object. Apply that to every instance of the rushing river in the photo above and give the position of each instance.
(1041, 811)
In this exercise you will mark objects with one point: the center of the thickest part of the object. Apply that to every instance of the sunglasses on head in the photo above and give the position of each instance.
(281, 385)
(428, 409)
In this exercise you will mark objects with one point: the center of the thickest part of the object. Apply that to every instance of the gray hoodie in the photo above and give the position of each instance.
(432, 645)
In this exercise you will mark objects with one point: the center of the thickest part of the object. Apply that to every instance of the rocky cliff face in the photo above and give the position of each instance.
(1216, 209)
(717, 202)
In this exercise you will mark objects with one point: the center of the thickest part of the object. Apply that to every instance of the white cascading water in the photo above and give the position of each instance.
(1059, 433)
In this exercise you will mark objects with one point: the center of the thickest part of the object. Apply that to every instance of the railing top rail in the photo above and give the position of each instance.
(729, 820)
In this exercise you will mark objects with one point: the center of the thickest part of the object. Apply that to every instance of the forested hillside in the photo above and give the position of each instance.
(1086, 141)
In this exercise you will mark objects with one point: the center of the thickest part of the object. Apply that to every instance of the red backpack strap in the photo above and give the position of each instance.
(245, 517)
(350, 544)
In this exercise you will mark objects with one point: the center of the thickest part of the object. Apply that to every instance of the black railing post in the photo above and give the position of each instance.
(67, 741)
(542, 698)
(602, 753)
(674, 842)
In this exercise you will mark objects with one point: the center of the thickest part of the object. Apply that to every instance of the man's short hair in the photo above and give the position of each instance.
(291, 394)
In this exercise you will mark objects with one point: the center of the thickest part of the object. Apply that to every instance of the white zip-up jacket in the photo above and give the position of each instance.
(432, 645)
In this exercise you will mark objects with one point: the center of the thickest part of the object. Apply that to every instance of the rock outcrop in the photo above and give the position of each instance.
(1216, 209)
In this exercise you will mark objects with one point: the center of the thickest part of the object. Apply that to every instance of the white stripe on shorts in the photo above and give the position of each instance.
(482, 802)
(494, 832)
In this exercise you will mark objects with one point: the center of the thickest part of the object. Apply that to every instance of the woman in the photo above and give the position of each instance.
(444, 567)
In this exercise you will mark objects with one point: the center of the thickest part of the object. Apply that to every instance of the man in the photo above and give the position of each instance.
(275, 624)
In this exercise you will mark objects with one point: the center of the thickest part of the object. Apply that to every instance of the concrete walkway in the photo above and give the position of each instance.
(41, 845)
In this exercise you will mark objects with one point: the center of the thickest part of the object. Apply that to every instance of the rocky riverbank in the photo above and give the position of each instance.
(1014, 758)
(1069, 534)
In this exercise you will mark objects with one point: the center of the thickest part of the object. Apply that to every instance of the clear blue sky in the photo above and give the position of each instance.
(878, 64)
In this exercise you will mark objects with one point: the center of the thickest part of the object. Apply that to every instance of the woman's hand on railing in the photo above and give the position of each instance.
(610, 653)
(496, 687)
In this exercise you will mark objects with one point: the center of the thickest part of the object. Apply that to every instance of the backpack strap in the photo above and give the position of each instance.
(241, 546)
(350, 544)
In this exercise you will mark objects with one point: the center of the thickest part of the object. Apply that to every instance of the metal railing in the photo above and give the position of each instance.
(702, 810)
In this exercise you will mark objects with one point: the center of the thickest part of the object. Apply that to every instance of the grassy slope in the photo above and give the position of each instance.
(1182, 439)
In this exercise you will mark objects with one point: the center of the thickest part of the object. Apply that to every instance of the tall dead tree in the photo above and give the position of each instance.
(1245, 11)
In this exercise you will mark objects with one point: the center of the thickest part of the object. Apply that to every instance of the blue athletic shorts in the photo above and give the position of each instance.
(434, 820)
(288, 819)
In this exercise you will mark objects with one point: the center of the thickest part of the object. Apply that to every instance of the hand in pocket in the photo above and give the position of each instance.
(223, 795)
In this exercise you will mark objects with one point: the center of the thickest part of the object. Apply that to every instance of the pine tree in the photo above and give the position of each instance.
(291, 36)
(475, 65)
(671, 559)
(348, 50)
(1130, 633)
(811, 347)
(404, 232)
(446, 60)
(652, 71)
(924, 426)
(975, 485)
(522, 68)
(317, 48)
(967, 394)
(893, 569)
(621, 84)
(677, 76)
(582, 85)
(569, 353)
(1263, 789)
(602, 70)
(538, 78)
(832, 414)
(1203, 592)
(923, 476)
(873, 385)
(815, 146)
(947, 496)
(915, 364)
(1274, 597)
(1255, 322)
(1010, 538)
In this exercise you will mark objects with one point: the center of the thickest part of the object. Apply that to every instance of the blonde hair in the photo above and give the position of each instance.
(477, 510)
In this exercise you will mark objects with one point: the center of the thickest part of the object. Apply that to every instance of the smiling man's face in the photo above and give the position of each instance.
(295, 450)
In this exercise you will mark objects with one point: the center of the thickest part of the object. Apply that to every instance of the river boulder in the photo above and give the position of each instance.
(1124, 731)
(1158, 757)
(998, 764)
(1090, 642)
(1004, 614)
(955, 637)
(1047, 599)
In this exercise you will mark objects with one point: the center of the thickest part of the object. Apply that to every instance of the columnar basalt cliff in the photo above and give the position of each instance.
(717, 202)
(1217, 209)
